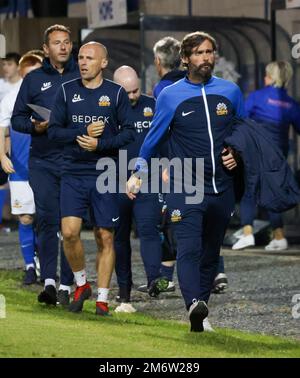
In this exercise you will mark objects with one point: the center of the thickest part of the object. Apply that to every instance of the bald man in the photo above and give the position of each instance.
(146, 209)
(91, 118)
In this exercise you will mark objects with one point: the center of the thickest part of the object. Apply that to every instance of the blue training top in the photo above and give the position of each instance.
(198, 118)
(277, 110)
(75, 108)
(39, 87)
(141, 115)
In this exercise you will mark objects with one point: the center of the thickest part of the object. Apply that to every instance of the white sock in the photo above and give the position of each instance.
(49, 281)
(29, 266)
(65, 287)
(80, 277)
(102, 294)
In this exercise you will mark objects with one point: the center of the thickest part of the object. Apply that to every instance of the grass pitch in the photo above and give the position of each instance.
(34, 330)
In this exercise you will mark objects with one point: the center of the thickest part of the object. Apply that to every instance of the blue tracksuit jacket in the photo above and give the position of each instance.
(39, 87)
(277, 110)
(268, 176)
(198, 119)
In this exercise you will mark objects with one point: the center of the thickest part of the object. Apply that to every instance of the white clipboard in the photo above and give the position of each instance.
(44, 113)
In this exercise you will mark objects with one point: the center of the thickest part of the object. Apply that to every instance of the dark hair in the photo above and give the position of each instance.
(53, 28)
(192, 40)
(13, 56)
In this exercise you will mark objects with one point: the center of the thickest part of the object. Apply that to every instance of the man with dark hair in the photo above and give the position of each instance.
(39, 88)
(10, 82)
(55, 28)
(196, 113)
(167, 62)
(11, 77)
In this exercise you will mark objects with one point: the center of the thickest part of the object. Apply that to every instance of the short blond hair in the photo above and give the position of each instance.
(280, 72)
(29, 60)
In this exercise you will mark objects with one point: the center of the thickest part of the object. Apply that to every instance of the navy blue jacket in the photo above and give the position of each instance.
(268, 176)
(141, 115)
(197, 118)
(168, 79)
(75, 108)
(39, 87)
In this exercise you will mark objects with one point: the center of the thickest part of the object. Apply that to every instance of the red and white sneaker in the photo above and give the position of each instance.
(81, 294)
(102, 309)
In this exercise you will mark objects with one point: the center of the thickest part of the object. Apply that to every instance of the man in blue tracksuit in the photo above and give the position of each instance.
(39, 88)
(196, 113)
(91, 119)
(146, 210)
(167, 61)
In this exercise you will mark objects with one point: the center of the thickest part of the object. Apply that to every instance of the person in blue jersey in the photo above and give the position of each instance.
(39, 88)
(90, 119)
(167, 62)
(275, 110)
(196, 113)
(22, 201)
(146, 210)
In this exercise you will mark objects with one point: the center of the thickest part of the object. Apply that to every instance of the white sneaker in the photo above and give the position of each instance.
(277, 245)
(244, 242)
(125, 307)
(207, 326)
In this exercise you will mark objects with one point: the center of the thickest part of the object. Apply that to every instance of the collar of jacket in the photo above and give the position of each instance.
(174, 75)
(69, 66)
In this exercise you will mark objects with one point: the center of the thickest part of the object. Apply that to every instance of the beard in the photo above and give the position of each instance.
(203, 71)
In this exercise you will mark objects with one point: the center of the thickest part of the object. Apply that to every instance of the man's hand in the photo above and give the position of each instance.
(7, 165)
(229, 161)
(165, 176)
(133, 186)
(87, 143)
(40, 126)
(95, 129)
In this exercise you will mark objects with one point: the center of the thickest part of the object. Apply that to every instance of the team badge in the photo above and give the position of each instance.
(104, 101)
(176, 216)
(221, 109)
(17, 204)
(148, 112)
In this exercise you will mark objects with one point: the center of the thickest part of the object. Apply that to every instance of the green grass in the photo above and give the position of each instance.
(33, 330)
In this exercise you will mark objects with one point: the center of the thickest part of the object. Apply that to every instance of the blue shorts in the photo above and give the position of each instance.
(79, 198)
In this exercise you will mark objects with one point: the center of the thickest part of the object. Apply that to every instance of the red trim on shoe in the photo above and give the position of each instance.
(79, 290)
(103, 307)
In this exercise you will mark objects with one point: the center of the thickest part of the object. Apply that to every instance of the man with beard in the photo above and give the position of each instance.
(196, 112)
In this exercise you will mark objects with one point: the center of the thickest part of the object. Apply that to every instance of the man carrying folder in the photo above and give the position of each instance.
(39, 88)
